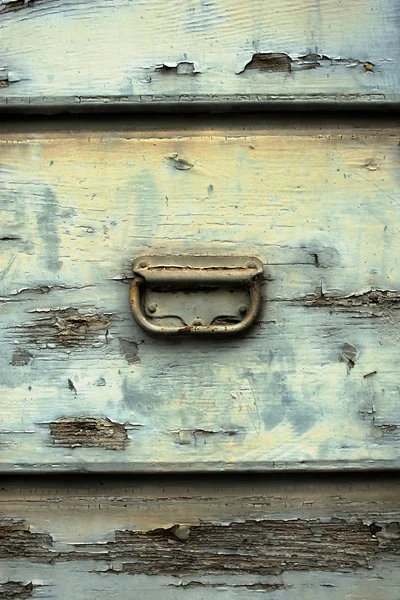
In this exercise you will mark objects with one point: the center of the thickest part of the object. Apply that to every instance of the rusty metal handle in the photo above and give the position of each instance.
(150, 327)
(183, 277)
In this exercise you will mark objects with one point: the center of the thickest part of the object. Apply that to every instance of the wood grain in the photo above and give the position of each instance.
(314, 385)
(321, 536)
(82, 55)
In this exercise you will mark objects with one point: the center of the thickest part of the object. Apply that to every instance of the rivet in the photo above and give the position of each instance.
(152, 307)
(242, 309)
(251, 265)
(196, 322)
(143, 264)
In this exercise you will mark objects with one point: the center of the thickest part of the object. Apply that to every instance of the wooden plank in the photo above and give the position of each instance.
(313, 385)
(123, 54)
(201, 538)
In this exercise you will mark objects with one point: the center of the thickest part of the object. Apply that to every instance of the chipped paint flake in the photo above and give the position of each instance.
(183, 67)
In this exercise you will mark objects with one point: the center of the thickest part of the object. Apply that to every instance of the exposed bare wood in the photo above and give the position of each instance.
(313, 385)
(88, 432)
(201, 537)
(122, 54)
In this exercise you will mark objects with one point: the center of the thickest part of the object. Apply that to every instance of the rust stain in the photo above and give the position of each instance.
(87, 432)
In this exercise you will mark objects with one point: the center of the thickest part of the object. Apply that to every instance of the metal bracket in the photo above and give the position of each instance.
(196, 294)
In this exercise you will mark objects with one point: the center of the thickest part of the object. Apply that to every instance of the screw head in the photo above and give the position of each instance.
(143, 264)
(251, 265)
(197, 322)
(152, 307)
(242, 309)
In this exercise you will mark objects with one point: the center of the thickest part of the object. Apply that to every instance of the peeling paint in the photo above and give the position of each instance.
(17, 540)
(65, 327)
(376, 299)
(46, 289)
(160, 63)
(273, 62)
(16, 590)
(4, 81)
(183, 67)
(7, 77)
(181, 532)
(275, 546)
(11, 5)
(254, 587)
(280, 62)
(388, 428)
(287, 536)
(88, 432)
(187, 436)
(270, 400)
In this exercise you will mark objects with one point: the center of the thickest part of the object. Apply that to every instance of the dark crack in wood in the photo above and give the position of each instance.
(258, 587)
(380, 301)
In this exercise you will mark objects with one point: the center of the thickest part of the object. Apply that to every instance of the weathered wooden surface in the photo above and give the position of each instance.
(292, 537)
(314, 384)
(81, 54)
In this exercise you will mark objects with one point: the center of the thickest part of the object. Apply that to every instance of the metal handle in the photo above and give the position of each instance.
(190, 274)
